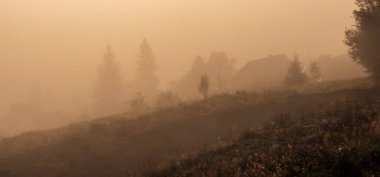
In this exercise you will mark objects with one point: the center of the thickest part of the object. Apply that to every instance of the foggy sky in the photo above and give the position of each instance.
(56, 45)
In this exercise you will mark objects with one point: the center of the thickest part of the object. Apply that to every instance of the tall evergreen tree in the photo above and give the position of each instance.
(108, 91)
(146, 79)
(295, 75)
(364, 38)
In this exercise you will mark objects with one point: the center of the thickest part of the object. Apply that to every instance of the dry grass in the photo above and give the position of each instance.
(341, 140)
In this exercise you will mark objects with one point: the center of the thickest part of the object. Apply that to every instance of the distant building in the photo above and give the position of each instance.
(269, 72)
(261, 74)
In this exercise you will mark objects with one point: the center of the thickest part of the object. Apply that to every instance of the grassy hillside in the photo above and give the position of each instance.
(122, 145)
(341, 140)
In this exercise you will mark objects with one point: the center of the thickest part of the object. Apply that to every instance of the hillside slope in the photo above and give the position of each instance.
(121, 145)
(341, 140)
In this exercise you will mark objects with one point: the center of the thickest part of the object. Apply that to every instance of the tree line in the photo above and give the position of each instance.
(109, 91)
(213, 76)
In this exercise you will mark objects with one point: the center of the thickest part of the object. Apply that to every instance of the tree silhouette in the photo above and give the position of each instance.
(108, 91)
(187, 86)
(315, 72)
(220, 70)
(204, 86)
(146, 79)
(364, 37)
(295, 75)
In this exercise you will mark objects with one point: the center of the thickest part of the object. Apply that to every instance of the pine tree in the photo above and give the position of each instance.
(295, 75)
(146, 79)
(108, 91)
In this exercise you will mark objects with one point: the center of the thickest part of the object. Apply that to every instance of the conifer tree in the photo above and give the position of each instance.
(108, 91)
(146, 79)
(295, 75)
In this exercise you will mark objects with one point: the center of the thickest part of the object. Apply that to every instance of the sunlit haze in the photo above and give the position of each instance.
(175, 88)
(55, 46)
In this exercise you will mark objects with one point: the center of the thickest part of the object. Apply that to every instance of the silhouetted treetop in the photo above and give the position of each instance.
(364, 37)
(146, 79)
(108, 91)
(296, 74)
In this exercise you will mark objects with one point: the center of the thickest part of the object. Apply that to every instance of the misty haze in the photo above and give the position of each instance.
(162, 88)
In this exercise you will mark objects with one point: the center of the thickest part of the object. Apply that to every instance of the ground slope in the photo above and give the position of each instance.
(121, 145)
(342, 140)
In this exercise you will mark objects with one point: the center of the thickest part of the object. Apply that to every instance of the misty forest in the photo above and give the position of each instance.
(169, 88)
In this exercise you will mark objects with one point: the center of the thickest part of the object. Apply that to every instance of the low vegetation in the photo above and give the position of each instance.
(341, 140)
(129, 144)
